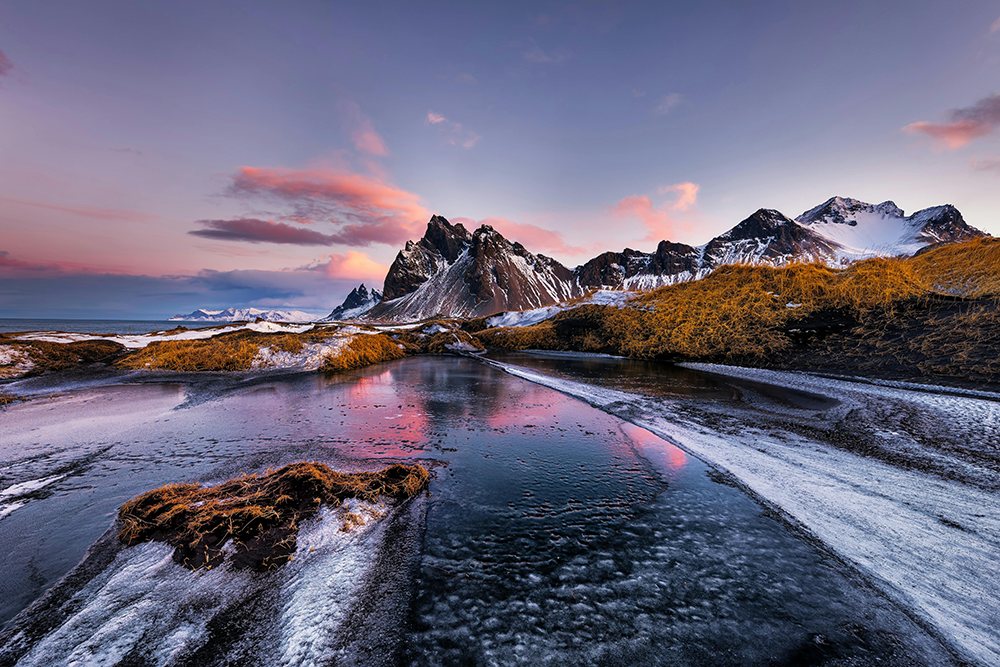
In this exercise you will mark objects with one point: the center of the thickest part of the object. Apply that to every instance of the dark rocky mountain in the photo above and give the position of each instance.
(450, 271)
(357, 303)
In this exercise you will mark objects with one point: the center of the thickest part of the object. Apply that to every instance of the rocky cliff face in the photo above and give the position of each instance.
(452, 272)
(440, 246)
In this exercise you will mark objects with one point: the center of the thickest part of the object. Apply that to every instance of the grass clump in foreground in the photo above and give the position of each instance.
(232, 352)
(364, 350)
(260, 514)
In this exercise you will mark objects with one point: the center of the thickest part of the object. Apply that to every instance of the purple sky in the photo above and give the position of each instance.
(158, 157)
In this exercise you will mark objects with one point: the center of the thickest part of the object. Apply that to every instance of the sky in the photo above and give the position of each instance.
(159, 157)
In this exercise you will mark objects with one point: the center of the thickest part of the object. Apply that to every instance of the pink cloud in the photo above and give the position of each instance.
(366, 208)
(660, 220)
(687, 195)
(362, 133)
(454, 134)
(354, 265)
(88, 211)
(965, 125)
(254, 230)
(985, 164)
(532, 237)
(995, 27)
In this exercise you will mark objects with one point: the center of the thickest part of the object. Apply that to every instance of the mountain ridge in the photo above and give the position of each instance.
(453, 272)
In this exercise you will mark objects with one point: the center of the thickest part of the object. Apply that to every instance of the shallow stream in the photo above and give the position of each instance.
(554, 533)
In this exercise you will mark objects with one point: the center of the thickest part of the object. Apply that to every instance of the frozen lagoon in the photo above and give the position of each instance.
(554, 533)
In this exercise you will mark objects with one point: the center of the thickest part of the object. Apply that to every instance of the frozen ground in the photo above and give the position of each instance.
(137, 341)
(136, 606)
(900, 483)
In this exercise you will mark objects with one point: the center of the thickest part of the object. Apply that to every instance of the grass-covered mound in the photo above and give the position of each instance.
(364, 350)
(933, 314)
(233, 351)
(45, 356)
(259, 514)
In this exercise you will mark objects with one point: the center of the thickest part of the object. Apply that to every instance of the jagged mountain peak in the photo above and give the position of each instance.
(763, 222)
(452, 271)
(846, 211)
(357, 303)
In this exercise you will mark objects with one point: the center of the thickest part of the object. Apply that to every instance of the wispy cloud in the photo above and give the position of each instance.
(636, 93)
(532, 237)
(687, 195)
(82, 211)
(453, 133)
(964, 126)
(995, 27)
(668, 103)
(661, 221)
(364, 209)
(536, 54)
(5, 65)
(467, 79)
(362, 133)
(254, 230)
(985, 164)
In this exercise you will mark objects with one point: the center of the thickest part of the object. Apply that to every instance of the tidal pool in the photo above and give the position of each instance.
(554, 533)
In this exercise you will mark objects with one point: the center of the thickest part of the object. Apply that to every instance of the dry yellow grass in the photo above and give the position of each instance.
(970, 269)
(225, 352)
(364, 350)
(260, 514)
(738, 313)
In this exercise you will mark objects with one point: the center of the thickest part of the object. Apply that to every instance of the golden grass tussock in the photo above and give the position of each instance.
(259, 514)
(970, 269)
(46, 356)
(232, 352)
(364, 350)
(7, 399)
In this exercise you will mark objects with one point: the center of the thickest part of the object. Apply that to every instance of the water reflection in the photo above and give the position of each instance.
(556, 534)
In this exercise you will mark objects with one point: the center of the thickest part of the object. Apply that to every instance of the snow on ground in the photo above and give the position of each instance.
(526, 318)
(14, 362)
(931, 544)
(145, 606)
(13, 496)
(309, 358)
(137, 341)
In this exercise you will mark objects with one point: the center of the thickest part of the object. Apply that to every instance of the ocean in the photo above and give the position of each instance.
(11, 325)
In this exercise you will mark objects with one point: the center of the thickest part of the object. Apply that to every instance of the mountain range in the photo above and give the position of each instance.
(243, 315)
(451, 271)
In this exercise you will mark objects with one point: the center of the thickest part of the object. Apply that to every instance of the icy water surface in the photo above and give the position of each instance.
(553, 534)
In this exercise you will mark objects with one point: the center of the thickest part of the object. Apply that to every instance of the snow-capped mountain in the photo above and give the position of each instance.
(243, 315)
(450, 271)
(357, 303)
(863, 230)
(837, 232)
